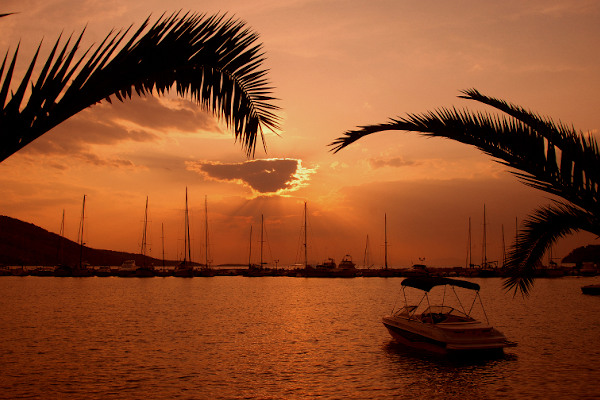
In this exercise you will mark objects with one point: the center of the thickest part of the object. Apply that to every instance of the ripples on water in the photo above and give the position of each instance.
(278, 338)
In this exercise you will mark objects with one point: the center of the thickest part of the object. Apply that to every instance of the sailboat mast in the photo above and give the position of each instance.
(143, 249)
(366, 258)
(484, 245)
(503, 248)
(385, 240)
(305, 246)
(162, 238)
(206, 229)
(469, 249)
(250, 250)
(81, 233)
(262, 229)
(187, 250)
(61, 240)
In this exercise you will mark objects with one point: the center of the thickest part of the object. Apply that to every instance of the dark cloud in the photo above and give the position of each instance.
(138, 119)
(390, 162)
(262, 176)
(151, 112)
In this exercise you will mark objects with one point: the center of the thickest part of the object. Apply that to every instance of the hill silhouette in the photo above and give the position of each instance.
(23, 243)
(589, 253)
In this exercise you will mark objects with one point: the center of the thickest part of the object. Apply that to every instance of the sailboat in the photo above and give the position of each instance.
(48, 270)
(163, 270)
(328, 268)
(488, 268)
(62, 269)
(380, 272)
(185, 268)
(82, 269)
(60, 266)
(367, 256)
(259, 270)
(145, 271)
(206, 270)
(307, 270)
(129, 268)
(469, 269)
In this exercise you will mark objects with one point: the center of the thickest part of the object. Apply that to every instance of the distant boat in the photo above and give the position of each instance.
(185, 268)
(591, 289)
(328, 268)
(127, 269)
(206, 270)
(327, 264)
(367, 255)
(103, 271)
(347, 262)
(488, 268)
(144, 271)
(441, 328)
(82, 269)
(260, 270)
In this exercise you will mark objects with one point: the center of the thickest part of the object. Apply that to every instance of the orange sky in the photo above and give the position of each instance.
(335, 65)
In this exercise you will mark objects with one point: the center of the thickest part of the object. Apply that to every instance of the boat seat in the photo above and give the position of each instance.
(435, 317)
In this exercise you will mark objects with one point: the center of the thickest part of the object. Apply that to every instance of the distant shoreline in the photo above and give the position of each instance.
(310, 272)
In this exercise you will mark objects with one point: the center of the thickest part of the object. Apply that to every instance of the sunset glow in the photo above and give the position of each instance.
(334, 66)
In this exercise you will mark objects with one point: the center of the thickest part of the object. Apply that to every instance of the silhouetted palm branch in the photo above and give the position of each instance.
(541, 230)
(215, 60)
(545, 155)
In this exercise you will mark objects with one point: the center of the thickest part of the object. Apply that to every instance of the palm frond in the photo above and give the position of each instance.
(543, 154)
(565, 166)
(214, 59)
(541, 230)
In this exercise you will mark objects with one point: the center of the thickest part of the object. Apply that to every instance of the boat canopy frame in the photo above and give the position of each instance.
(428, 283)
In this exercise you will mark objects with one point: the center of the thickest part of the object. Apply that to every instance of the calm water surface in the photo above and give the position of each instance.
(278, 338)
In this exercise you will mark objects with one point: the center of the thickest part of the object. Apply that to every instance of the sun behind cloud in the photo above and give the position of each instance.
(274, 176)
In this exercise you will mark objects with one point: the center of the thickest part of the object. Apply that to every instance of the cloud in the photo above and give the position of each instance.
(267, 176)
(397, 162)
(142, 120)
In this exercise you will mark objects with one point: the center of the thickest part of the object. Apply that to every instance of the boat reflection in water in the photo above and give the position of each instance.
(442, 328)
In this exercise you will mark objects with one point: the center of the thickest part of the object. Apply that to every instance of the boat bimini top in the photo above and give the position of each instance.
(426, 284)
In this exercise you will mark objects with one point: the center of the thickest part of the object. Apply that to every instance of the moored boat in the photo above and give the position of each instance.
(127, 269)
(591, 289)
(442, 328)
(103, 271)
(185, 269)
(347, 262)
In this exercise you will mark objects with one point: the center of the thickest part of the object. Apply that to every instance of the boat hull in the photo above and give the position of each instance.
(472, 337)
(591, 289)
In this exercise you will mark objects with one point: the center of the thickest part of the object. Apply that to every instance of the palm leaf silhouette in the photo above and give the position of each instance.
(213, 59)
(543, 154)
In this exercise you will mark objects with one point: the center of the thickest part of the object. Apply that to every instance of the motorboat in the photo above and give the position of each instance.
(445, 327)
(127, 269)
(347, 262)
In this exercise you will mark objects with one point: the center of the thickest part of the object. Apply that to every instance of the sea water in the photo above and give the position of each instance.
(279, 338)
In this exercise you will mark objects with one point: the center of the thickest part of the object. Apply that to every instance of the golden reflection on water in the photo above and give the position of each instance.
(261, 338)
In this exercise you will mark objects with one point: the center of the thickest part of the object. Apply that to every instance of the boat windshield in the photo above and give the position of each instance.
(445, 314)
(406, 310)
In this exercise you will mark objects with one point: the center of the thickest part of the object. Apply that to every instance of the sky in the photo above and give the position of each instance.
(334, 65)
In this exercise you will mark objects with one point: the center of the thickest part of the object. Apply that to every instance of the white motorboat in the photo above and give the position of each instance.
(443, 328)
